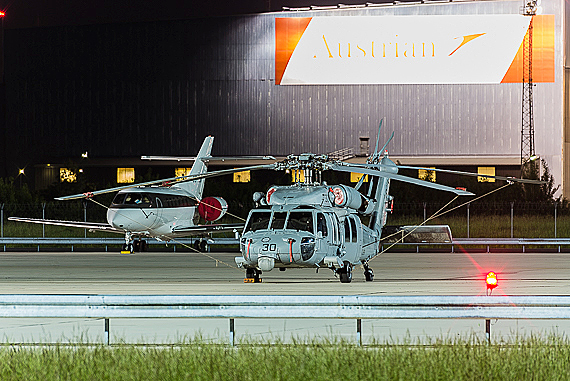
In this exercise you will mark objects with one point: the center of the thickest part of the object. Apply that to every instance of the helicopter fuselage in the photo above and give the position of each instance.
(304, 227)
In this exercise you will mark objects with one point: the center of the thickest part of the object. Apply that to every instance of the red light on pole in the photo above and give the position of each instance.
(491, 281)
(2, 14)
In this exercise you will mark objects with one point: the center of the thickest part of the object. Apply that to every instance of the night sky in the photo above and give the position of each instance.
(41, 13)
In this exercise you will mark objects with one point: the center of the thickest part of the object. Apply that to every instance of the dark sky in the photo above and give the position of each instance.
(34, 13)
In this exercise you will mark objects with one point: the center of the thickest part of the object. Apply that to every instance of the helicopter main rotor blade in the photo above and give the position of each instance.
(170, 181)
(505, 178)
(207, 158)
(406, 179)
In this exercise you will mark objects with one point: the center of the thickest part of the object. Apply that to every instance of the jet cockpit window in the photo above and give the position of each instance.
(119, 198)
(278, 221)
(257, 221)
(301, 221)
(137, 199)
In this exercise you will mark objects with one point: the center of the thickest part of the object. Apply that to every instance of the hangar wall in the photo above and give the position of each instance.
(123, 90)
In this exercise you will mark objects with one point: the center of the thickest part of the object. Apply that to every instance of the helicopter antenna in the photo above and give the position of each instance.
(378, 136)
(374, 157)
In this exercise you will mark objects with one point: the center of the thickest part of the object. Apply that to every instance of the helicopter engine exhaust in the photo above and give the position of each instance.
(212, 208)
(345, 196)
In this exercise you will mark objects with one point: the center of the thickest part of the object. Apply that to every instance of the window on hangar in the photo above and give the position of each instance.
(125, 175)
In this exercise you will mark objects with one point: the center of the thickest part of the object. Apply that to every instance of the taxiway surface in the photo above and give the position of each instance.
(457, 273)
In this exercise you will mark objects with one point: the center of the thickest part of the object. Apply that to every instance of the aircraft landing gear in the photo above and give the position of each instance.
(200, 245)
(345, 273)
(252, 276)
(140, 245)
(127, 248)
(135, 246)
(368, 273)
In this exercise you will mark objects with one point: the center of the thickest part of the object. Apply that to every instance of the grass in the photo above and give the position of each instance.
(534, 358)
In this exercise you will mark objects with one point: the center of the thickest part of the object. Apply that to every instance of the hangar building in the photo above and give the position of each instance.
(445, 76)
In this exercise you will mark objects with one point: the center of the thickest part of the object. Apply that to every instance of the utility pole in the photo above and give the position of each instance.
(528, 153)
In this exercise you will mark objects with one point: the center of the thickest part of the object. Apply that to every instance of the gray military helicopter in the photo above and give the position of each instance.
(313, 224)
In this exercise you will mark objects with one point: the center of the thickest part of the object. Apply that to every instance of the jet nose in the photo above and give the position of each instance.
(118, 220)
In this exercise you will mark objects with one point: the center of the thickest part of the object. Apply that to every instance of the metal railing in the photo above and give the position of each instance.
(103, 242)
(463, 243)
(284, 306)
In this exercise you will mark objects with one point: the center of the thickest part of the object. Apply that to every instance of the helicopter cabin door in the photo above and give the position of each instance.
(352, 239)
(328, 227)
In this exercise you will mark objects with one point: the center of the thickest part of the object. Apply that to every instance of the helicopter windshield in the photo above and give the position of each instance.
(258, 220)
(278, 221)
(301, 221)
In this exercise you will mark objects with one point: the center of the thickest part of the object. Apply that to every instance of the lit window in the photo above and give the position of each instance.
(67, 175)
(355, 177)
(178, 172)
(300, 175)
(242, 177)
(427, 175)
(125, 175)
(486, 171)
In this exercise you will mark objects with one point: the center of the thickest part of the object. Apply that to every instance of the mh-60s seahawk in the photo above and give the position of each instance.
(313, 224)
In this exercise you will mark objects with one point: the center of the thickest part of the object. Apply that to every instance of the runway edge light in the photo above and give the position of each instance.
(491, 281)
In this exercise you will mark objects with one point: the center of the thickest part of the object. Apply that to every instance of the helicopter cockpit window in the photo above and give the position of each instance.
(278, 221)
(322, 224)
(257, 221)
(346, 230)
(354, 230)
(301, 221)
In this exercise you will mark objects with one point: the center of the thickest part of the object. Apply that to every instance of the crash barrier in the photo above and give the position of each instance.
(487, 243)
(457, 243)
(285, 307)
(106, 242)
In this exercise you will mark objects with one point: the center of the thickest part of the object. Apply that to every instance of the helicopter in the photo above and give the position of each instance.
(313, 224)
(162, 209)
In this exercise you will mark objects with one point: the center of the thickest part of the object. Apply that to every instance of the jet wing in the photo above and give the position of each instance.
(72, 224)
(206, 228)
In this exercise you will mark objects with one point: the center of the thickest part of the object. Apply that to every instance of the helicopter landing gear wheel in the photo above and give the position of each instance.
(368, 273)
(252, 276)
(345, 273)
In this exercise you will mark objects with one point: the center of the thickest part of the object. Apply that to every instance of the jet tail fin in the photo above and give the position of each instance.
(196, 187)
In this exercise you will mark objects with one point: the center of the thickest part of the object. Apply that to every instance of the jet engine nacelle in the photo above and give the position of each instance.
(345, 196)
(212, 208)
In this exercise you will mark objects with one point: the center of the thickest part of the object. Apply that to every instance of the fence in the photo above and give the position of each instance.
(554, 217)
(285, 306)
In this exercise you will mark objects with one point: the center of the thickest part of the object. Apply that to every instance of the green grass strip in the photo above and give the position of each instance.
(530, 359)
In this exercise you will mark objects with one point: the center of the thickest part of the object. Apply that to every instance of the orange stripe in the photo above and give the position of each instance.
(288, 32)
(542, 53)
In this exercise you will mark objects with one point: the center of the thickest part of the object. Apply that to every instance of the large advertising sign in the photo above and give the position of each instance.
(412, 49)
